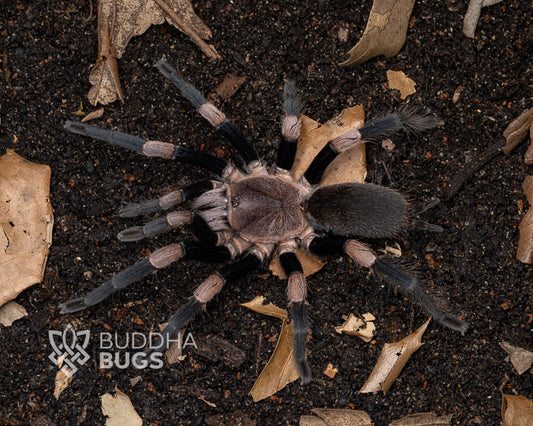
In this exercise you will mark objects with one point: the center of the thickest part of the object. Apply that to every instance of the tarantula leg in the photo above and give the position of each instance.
(376, 129)
(363, 255)
(290, 127)
(167, 201)
(202, 231)
(211, 113)
(208, 289)
(166, 150)
(296, 293)
(155, 227)
(157, 260)
(333, 148)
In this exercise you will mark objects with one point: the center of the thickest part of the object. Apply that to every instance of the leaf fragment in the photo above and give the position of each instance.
(280, 369)
(398, 80)
(385, 31)
(311, 264)
(363, 328)
(26, 222)
(63, 379)
(119, 410)
(391, 361)
(229, 86)
(97, 113)
(422, 419)
(517, 410)
(336, 417)
(11, 312)
(519, 357)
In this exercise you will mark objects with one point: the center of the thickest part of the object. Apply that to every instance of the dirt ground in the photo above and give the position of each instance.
(50, 48)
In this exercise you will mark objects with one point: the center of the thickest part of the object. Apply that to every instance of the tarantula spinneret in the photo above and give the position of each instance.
(250, 212)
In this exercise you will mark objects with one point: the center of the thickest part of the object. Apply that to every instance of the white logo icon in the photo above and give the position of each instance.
(69, 348)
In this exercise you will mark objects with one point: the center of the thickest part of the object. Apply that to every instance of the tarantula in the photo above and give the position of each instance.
(251, 212)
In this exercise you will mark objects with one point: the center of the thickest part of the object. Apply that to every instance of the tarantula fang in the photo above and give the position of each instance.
(250, 212)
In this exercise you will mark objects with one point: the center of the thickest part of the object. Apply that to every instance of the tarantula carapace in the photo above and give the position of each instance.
(251, 212)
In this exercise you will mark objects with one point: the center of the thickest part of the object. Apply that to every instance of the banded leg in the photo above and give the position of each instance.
(365, 257)
(167, 201)
(245, 150)
(296, 293)
(290, 127)
(155, 227)
(375, 130)
(208, 289)
(157, 260)
(166, 150)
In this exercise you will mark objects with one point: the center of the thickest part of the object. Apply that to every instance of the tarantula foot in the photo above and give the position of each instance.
(139, 209)
(73, 305)
(304, 371)
(452, 322)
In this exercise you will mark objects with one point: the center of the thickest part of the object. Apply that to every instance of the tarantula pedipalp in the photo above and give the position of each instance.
(252, 212)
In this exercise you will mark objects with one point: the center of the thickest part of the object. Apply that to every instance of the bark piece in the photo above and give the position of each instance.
(385, 31)
(391, 361)
(524, 253)
(26, 222)
(119, 21)
(472, 15)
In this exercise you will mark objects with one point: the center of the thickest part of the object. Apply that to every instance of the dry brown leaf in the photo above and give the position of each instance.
(119, 410)
(350, 165)
(119, 21)
(519, 357)
(472, 15)
(524, 253)
(516, 131)
(391, 361)
(385, 31)
(517, 410)
(336, 417)
(229, 86)
(63, 379)
(398, 80)
(26, 222)
(11, 312)
(363, 328)
(422, 419)
(311, 264)
(280, 369)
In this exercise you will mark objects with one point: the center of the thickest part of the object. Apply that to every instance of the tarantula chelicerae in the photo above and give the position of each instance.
(252, 212)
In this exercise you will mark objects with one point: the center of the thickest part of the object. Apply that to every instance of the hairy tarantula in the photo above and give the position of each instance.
(251, 212)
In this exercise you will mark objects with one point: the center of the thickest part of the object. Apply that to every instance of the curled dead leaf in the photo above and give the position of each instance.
(472, 15)
(119, 410)
(280, 369)
(391, 361)
(398, 80)
(385, 31)
(97, 113)
(524, 253)
(26, 222)
(517, 131)
(517, 410)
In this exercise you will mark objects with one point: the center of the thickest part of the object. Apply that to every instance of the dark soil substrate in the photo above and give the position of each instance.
(50, 48)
